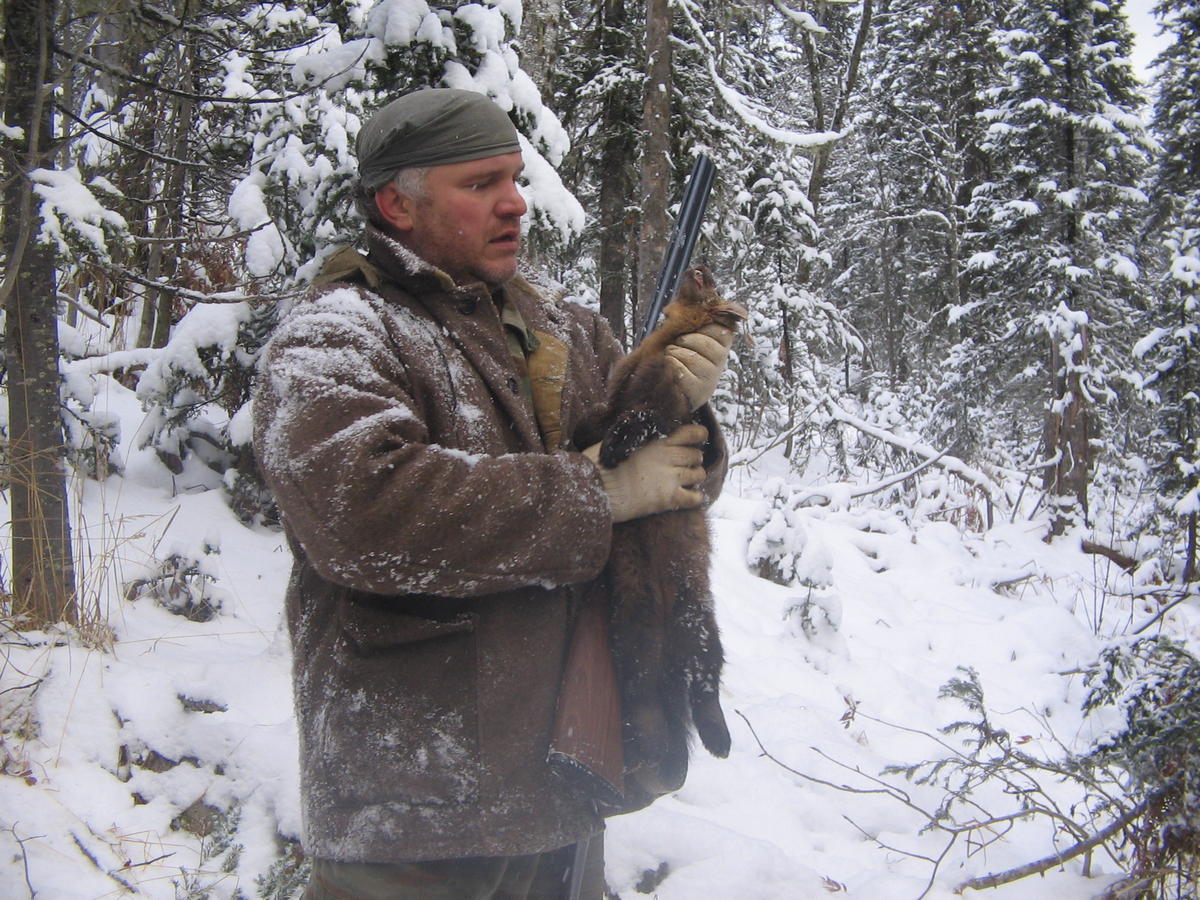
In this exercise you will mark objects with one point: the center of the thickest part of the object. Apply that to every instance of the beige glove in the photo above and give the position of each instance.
(699, 358)
(657, 477)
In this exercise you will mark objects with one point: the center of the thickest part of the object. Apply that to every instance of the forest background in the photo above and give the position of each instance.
(967, 232)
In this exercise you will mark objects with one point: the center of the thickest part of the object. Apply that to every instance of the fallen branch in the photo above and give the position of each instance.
(1056, 859)
(1128, 563)
(149, 862)
(22, 687)
(25, 857)
(1183, 598)
(95, 862)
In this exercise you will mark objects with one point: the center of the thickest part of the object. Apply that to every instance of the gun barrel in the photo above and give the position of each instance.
(683, 239)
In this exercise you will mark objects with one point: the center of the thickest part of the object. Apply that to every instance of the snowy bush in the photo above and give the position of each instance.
(181, 586)
(197, 394)
(1156, 685)
(1135, 794)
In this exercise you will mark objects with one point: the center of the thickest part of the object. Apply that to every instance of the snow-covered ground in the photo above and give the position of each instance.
(122, 742)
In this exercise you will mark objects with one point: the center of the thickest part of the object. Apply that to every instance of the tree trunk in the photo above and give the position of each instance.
(1189, 553)
(539, 40)
(1068, 424)
(42, 572)
(841, 109)
(1067, 435)
(656, 152)
(619, 123)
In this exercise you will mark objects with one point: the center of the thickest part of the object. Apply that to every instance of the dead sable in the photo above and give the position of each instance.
(666, 648)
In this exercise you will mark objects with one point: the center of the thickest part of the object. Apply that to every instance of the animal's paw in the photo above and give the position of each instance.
(632, 430)
(710, 725)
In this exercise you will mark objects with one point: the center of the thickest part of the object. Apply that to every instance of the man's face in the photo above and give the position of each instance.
(468, 223)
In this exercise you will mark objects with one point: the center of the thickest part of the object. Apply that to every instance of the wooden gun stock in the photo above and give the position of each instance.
(586, 742)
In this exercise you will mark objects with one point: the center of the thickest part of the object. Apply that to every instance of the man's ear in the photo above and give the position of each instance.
(395, 207)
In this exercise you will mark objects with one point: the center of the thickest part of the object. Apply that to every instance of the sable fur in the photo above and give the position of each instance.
(666, 648)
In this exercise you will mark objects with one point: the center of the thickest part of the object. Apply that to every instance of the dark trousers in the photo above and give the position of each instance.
(542, 876)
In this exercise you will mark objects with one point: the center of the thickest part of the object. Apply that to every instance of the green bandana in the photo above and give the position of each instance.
(432, 128)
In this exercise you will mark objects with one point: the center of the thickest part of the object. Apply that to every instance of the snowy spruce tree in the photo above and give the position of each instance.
(596, 86)
(900, 252)
(1173, 345)
(743, 64)
(163, 104)
(1046, 333)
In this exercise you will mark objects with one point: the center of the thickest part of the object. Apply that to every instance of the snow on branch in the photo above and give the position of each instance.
(117, 361)
(737, 102)
(801, 18)
(943, 460)
(840, 493)
(70, 209)
(740, 104)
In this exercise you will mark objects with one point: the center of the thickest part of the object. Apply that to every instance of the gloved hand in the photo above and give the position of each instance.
(699, 358)
(657, 477)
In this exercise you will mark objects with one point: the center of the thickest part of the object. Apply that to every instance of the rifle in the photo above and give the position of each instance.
(683, 240)
(586, 740)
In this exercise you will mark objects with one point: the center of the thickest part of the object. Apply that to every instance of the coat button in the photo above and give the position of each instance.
(513, 385)
(467, 306)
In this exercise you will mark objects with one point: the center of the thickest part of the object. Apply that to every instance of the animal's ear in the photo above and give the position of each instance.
(703, 278)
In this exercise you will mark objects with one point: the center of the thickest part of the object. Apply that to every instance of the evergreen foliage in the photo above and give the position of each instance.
(1053, 228)
(1172, 347)
(901, 246)
(1156, 685)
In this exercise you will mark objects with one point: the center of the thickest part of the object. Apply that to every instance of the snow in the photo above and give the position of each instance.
(69, 207)
(837, 673)
(248, 208)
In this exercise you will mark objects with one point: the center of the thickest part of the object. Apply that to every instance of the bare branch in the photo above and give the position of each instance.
(127, 145)
(1056, 859)
(83, 310)
(186, 293)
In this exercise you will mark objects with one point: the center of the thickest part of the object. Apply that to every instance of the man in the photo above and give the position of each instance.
(414, 419)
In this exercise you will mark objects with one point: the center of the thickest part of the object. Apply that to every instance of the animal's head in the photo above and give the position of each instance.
(697, 288)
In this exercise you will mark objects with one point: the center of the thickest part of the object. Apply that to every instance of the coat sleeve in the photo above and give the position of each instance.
(375, 505)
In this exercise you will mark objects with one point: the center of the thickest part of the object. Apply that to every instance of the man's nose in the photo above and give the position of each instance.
(512, 203)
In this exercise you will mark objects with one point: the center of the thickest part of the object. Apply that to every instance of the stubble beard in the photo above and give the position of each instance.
(446, 253)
